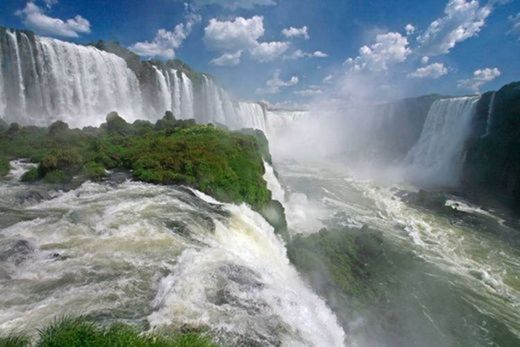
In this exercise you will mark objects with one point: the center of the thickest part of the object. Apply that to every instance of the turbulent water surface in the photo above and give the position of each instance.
(453, 279)
(161, 256)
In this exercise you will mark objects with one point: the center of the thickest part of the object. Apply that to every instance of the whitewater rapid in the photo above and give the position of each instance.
(137, 252)
(468, 250)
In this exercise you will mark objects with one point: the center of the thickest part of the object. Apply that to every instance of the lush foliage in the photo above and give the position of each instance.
(79, 332)
(227, 165)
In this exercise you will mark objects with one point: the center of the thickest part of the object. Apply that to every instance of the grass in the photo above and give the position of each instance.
(79, 332)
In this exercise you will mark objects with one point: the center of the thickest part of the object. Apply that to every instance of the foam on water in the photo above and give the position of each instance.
(172, 256)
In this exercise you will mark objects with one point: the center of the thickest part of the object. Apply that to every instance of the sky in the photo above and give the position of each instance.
(288, 52)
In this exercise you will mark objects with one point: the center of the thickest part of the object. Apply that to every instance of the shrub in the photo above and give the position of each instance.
(4, 166)
(31, 175)
(79, 332)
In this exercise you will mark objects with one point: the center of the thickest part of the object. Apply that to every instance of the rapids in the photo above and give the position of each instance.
(158, 256)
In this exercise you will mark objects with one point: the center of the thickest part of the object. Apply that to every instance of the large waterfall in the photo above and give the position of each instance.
(43, 80)
(437, 157)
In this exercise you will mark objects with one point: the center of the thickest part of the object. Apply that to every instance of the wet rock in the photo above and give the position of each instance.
(16, 251)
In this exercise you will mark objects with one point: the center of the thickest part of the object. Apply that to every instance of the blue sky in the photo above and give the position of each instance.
(296, 50)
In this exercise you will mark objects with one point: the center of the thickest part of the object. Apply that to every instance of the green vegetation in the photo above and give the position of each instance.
(79, 332)
(4, 167)
(227, 165)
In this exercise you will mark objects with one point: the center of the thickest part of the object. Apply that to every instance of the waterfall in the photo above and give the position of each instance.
(176, 93)
(490, 114)
(46, 79)
(164, 90)
(186, 97)
(43, 80)
(436, 158)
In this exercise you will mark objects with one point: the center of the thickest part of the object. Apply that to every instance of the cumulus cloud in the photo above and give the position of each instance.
(292, 32)
(425, 59)
(242, 34)
(227, 59)
(462, 20)
(35, 18)
(434, 71)
(233, 4)
(410, 29)
(389, 48)
(515, 21)
(299, 54)
(166, 42)
(480, 77)
(275, 84)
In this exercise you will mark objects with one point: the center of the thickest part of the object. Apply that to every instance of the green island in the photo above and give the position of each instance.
(223, 164)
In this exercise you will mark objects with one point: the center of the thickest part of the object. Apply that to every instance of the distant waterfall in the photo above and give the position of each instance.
(43, 80)
(489, 118)
(437, 157)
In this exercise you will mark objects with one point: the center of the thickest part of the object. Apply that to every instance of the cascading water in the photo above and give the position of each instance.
(489, 118)
(43, 80)
(52, 80)
(167, 255)
(437, 157)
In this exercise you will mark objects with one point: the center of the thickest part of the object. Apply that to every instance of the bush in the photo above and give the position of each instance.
(4, 166)
(94, 171)
(31, 175)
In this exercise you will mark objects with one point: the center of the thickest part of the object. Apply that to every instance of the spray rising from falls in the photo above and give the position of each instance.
(437, 157)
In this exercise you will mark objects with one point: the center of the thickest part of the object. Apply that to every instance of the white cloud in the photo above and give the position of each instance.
(166, 42)
(50, 3)
(515, 21)
(227, 59)
(434, 71)
(299, 54)
(319, 54)
(480, 77)
(328, 79)
(410, 29)
(34, 18)
(267, 51)
(275, 84)
(234, 4)
(389, 48)
(296, 32)
(313, 90)
(425, 59)
(462, 20)
(242, 34)
(232, 35)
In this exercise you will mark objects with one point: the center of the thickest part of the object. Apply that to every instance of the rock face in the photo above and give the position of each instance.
(492, 162)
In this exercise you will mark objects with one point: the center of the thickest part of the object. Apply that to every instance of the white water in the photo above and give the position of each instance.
(489, 118)
(273, 184)
(136, 251)
(43, 80)
(479, 266)
(51, 79)
(437, 157)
